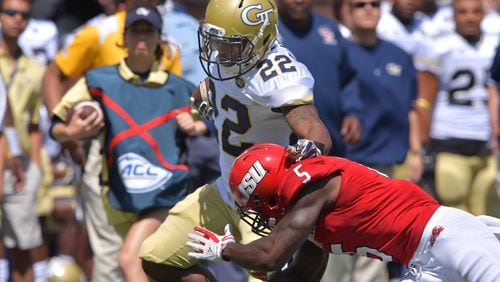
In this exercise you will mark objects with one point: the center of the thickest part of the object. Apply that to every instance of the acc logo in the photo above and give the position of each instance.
(139, 175)
(250, 180)
(261, 17)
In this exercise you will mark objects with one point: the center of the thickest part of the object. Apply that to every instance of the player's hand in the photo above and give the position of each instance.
(204, 108)
(84, 128)
(201, 99)
(17, 169)
(76, 151)
(416, 165)
(304, 149)
(189, 125)
(351, 130)
(207, 244)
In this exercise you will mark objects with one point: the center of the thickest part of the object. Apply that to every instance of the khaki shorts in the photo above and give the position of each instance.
(204, 207)
(20, 226)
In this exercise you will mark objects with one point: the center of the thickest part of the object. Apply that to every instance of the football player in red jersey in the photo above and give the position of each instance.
(348, 208)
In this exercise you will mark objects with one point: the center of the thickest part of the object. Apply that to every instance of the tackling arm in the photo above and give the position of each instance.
(272, 252)
(305, 123)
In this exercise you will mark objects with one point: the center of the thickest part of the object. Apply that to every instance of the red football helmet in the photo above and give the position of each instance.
(254, 180)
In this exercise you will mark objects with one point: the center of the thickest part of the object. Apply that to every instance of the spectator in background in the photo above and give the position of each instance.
(341, 15)
(40, 40)
(143, 200)
(400, 23)
(438, 19)
(335, 88)
(180, 25)
(23, 76)
(491, 21)
(388, 89)
(457, 113)
(494, 104)
(93, 46)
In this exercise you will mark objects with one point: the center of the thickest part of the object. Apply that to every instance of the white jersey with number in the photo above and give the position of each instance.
(391, 29)
(461, 109)
(249, 113)
(40, 40)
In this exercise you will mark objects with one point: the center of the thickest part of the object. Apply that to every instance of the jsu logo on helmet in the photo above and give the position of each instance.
(250, 180)
(261, 17)
(139, 175)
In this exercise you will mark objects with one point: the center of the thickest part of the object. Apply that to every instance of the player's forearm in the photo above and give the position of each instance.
(305, 123)
(36, 141)
(52, 89)
(251, 257)
(61, 133)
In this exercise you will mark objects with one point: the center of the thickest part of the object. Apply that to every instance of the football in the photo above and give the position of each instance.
(88, 107)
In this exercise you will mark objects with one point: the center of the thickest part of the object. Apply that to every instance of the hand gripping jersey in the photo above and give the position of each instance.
(247, 108)
(373, 216)
(461, 109)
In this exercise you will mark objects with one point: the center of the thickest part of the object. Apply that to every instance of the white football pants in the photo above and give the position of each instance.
(462, 248)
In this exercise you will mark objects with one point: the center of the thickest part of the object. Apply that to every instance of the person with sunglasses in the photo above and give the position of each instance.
(335, 90)
(385, 73)
(23, 78)
(142, 143)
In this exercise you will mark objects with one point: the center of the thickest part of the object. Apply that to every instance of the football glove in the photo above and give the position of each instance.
(204, 108)
(202, 99)
(207, 244)
(304, 149)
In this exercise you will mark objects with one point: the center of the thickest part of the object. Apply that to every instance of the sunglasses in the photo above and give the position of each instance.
(12, 13)
(359, 5)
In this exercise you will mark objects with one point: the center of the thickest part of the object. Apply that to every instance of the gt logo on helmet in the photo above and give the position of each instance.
(250, 180)
(262, 17)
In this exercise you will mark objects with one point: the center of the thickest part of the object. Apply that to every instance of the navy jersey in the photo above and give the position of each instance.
(323, 50)
(388, 88)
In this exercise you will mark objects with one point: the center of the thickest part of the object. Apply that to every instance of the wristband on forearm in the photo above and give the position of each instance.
(13, 141)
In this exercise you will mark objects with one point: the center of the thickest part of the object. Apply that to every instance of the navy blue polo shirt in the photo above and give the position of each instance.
(323, 50)
(388, 88)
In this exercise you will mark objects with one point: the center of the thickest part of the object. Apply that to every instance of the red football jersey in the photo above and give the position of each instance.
(374, 215)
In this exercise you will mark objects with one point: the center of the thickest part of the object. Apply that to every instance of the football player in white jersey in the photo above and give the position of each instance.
(257, 93)
(40, 40)
(461, 128)
(400, 23)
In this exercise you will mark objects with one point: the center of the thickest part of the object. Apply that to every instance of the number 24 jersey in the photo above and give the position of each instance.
(461, 109)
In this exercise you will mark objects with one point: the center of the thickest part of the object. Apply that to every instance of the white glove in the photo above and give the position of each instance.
(304, 149)
(207, 244)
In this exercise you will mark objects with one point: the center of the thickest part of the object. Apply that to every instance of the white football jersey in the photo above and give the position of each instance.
(491, 23)
(461, 109)
(40, 40)
(439, 24)
(391, 29)
(247, 108)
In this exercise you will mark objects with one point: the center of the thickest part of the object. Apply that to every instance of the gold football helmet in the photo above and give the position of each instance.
(235, 36)
(60, 270)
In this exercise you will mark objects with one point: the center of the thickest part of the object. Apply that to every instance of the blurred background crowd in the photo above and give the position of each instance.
(407, 87)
